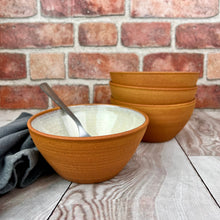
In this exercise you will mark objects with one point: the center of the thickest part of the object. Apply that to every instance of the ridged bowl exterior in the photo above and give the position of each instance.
(166, 121)
(152, 96)
(163, 79)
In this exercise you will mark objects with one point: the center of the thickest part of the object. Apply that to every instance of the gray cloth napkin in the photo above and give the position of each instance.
(20, 162)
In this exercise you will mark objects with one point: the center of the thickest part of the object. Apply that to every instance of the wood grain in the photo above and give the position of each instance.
(36, 201)
(7, 116)
(201, 135)
(208, 168)
(157, 183)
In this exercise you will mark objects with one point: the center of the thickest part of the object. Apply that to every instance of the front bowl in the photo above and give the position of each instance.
(166, 121)
(156, 79)
(116, 133)
(152, 96)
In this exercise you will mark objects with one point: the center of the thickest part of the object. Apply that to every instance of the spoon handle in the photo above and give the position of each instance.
(47, 89)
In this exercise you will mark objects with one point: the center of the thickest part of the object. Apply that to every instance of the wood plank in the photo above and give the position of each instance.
(208, 168)
(36, 201)
(200, 139)
(7, 116)
(201, 135)
(157, 183)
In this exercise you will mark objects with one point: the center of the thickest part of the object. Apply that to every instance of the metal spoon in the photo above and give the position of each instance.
(48, 90)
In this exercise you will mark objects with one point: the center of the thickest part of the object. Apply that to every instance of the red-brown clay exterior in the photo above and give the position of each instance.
(152, 96)
(166, 121)
(163, 79)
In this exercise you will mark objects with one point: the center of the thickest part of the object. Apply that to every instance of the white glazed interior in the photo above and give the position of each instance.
(98, 120)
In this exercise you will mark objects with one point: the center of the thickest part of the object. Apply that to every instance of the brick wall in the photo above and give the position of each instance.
(73, 44)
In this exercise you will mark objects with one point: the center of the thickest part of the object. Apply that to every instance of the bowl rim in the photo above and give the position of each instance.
(92, 138)
(178, 105)
(157, 72)
(153, 88)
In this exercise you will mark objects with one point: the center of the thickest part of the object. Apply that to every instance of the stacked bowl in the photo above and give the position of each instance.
(168, 98)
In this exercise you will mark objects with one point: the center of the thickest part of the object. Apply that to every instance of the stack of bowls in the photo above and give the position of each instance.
(168, 98)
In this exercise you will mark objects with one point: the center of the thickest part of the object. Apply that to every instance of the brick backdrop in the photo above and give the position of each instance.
(73, 44)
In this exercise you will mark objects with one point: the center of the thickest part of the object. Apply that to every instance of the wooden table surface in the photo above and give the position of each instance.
(178, 179)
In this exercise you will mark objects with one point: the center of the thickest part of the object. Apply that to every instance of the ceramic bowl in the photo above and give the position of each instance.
(166, 121)
(152, 96)
(116, 133)
(156, 79)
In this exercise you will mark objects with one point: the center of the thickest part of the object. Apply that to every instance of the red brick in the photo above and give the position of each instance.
(98, 34)
(208, 96)
(213, 69)
(66, 8)
(18, 8)
(195, 35)
(145, 34)
(174, 62)
(174, 8)
(35, 35)
(102, 94)
(47, 66)
(12, 66)
(74, 94)
(98, 66)
(19, 97)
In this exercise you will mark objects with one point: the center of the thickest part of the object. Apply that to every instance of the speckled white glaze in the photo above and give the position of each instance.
(98, 120)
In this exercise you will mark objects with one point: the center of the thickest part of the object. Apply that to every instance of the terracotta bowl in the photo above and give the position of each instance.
(152, 96)
(166, 121)
(156, 79)
(116, 133)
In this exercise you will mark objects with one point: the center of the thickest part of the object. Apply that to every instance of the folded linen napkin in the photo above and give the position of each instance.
(20, 162)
